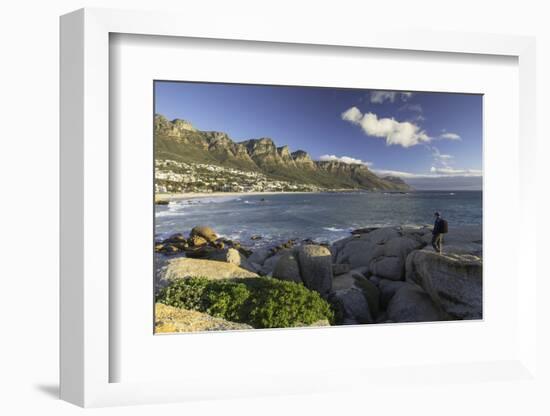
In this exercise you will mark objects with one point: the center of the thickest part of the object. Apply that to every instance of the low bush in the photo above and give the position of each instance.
(260, 302)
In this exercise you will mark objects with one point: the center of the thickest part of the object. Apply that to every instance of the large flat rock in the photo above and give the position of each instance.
(464, 239)
(169, 320)
(453, 281)
(214, 270)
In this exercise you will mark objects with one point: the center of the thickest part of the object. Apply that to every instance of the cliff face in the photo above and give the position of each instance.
(303, 160)
(264, 153)
(179, 140)
(286, 156)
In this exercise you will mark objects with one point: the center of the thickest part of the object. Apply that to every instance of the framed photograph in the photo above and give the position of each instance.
(260, 233)
(228, 198)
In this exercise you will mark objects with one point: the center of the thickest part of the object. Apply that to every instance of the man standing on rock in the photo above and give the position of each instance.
(438, 231)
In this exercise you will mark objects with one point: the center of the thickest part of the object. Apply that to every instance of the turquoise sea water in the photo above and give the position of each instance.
(321, 217)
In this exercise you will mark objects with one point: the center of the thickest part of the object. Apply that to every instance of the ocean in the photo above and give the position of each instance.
(323, 217)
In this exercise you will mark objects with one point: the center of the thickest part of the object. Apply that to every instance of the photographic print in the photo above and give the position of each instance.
(292, 206)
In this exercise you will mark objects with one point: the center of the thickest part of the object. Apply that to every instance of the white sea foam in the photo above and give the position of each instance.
(334, 229)
(169, 213)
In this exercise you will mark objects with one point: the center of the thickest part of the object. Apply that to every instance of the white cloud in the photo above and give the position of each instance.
(402, 133)
(344, 159)
(352, 115)
(379, 97)
(455, 172)
(450, 136)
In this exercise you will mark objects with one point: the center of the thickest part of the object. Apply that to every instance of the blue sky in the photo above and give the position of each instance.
(419, 136)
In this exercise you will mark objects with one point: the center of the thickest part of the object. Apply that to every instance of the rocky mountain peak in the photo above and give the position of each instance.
(262, 146)
(162, 123)
(180, 124)
(284, 152)
(265, 141)
(218, 138)
(301, 156)
(303, 160)
(174, 128)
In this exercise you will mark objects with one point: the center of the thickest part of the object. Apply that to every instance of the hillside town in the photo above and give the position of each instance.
(177, 177)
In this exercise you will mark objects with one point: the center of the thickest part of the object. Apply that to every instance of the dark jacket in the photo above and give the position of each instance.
(438, 226)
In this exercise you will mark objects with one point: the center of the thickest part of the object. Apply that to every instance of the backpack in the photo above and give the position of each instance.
(444, 227)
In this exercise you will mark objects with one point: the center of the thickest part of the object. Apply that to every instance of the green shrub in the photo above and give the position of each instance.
(260, 302)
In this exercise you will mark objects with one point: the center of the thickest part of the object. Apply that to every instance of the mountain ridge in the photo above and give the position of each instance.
(180, 140)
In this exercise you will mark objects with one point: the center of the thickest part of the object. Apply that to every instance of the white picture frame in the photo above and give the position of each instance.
(86, 355)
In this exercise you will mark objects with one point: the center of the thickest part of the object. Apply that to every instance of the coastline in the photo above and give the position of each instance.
(195, 195)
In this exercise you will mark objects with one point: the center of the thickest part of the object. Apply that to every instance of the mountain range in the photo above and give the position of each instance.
(179, 140)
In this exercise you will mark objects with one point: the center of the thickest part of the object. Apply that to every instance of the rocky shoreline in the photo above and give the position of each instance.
(376, 275)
